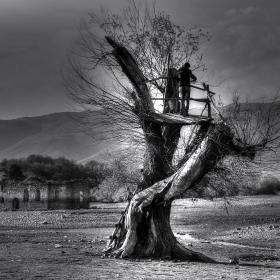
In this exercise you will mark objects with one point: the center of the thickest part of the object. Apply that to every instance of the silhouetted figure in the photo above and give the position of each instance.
(185, 75)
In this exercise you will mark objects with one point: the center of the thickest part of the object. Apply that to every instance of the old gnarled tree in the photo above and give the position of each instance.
(133, 53)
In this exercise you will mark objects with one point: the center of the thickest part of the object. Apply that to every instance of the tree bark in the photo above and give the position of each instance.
(172, 91)
(154, 165)
(144, 229)
(147, 231)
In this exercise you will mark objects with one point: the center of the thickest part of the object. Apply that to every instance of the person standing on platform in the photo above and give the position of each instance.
(185, 75)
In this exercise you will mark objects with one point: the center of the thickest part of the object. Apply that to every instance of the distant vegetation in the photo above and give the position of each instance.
(52, 169)
(118, 178)
(269, 184)
(114, 180)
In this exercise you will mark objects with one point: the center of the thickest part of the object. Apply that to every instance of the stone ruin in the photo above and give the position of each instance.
(34, 194)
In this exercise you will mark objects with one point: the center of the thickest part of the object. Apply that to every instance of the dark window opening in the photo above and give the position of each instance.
(1, 199)
(37, 195)
(26, 195)
(56, 195)
(2, 187)
(15, 203)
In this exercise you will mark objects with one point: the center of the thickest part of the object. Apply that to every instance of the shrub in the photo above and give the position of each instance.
(47, 168)
(269, 184)
(110, 190)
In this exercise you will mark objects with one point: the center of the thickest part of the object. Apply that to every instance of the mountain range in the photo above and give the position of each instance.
(53, 135)
(56, 135)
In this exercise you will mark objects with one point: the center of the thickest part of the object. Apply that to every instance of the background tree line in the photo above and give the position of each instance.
(55, 169)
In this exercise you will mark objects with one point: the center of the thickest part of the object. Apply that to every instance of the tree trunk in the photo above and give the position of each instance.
(154, 165)
(172, 91)
(146, 231)
(149, 235)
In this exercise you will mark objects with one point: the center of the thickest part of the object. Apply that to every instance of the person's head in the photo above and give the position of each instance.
(187, 65)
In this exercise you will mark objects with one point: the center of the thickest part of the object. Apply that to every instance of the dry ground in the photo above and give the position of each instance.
(68, 244)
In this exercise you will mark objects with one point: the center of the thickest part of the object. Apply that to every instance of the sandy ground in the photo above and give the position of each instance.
(68, 244)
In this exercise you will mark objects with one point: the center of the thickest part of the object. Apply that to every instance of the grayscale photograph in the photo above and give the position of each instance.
(139, 139)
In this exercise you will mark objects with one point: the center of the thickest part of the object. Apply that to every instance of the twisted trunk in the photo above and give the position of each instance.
(144, 229)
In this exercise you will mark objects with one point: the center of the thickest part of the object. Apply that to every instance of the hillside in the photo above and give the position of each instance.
(54, 135)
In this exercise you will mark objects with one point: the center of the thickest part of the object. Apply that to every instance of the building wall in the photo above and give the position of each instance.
(71, 195)
(53, 195)
(59, 200)
(24, 193)
(80, 193)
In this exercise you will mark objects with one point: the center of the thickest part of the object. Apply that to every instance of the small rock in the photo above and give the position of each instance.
(57, 246)
(44, 222)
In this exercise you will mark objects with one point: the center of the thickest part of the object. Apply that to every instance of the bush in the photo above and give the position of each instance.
(269, 184)
(110, 190)
(51, 169)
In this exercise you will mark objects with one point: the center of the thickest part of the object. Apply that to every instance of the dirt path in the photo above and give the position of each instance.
(68, 244)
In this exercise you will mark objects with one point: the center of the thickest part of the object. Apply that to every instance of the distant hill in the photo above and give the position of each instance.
(54, 135)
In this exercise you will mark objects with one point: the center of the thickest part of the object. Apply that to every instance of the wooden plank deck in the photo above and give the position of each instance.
(177, 119)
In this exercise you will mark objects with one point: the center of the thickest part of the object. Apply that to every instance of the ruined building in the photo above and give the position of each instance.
(33, 194)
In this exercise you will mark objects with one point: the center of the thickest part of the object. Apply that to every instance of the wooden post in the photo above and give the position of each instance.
(167, 80)
(209, 104)
(206, 88)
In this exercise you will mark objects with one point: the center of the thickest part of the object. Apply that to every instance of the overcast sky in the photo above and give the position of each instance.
(36, 35)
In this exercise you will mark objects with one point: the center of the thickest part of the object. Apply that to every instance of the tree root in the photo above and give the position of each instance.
(146, 233)
(179, 252)
(182, 253)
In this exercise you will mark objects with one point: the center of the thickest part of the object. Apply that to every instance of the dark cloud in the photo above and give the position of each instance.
(36, 35)
(245, 49)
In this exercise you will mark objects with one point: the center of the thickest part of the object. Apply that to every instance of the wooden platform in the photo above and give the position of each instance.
(177, 119)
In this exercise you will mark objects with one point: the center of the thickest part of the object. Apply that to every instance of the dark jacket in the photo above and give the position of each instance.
(184, 76)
